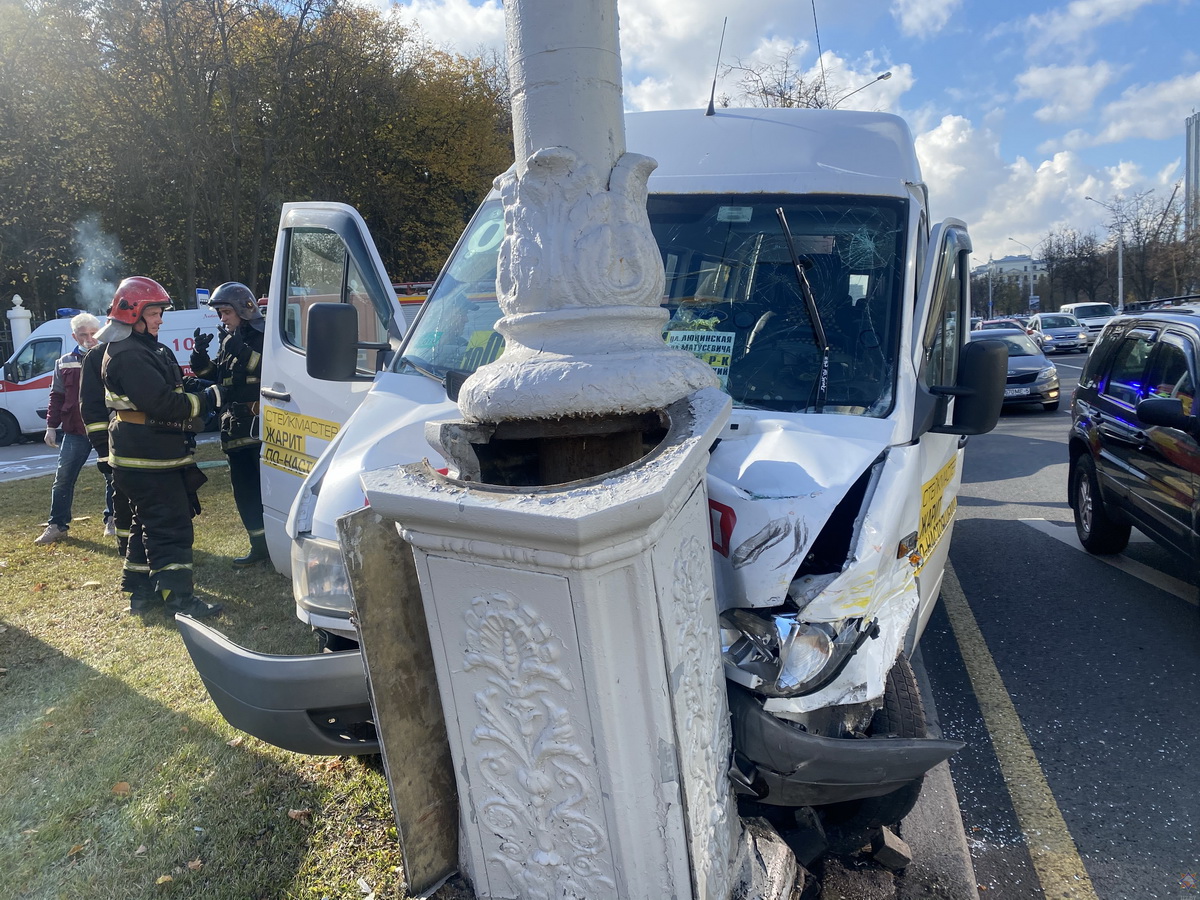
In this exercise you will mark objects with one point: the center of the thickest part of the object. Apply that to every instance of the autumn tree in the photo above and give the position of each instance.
(180, 127)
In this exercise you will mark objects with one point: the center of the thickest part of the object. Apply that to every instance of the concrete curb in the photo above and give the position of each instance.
(941, 863)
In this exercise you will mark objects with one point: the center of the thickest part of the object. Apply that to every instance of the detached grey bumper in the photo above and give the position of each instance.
(309, 704)
(781, 765)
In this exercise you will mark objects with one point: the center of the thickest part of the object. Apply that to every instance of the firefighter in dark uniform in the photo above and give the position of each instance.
(236, 372)
(150, 449)
(95, 414)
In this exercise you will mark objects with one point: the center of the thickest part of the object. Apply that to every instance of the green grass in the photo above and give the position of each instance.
(118, 769)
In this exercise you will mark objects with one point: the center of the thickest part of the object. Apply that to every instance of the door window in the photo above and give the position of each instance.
(320, 270)
(1171, 372)
(38, 358)
(943, 329)
(1126, 381)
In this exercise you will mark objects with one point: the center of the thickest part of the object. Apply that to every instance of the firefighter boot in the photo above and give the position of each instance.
(142, 600)
(189, 604)
(258, 552)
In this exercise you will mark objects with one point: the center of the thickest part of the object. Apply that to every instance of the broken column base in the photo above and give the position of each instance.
(765, 867)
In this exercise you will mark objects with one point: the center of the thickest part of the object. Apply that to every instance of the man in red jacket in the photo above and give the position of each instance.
(64, 413)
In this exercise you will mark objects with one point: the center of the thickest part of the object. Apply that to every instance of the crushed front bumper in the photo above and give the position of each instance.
(779, 764)
(315, 704)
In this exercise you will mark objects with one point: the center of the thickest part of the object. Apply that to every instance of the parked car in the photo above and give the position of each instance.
(1060, 332)
(1009, 322)
(1134, 453)
(1032, 378)
(1093, 315)
(987, 324)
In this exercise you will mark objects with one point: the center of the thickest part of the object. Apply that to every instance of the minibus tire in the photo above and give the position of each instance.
(848, 825)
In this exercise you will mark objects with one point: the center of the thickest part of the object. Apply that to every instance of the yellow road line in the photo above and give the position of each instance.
(1055, 858)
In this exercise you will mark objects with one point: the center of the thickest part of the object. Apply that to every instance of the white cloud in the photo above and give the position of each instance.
(1151, 111)
(1069, 91)
(1074, 22)
(457, 23)
(968, 178)
(923, 18)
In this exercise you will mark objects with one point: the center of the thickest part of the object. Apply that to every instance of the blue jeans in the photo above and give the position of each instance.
(73, 451)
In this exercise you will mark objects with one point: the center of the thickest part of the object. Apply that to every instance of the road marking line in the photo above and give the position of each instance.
(1056, 861)
(1152, 577)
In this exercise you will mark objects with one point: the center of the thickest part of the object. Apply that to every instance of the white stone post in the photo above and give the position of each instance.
(18, 321)
(575, 641)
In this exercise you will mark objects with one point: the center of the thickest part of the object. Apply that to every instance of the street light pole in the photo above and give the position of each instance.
(1030, 249)
(991, 270)
(1118, 217)
(884, 77)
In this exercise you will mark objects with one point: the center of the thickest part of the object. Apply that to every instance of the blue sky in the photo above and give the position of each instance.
(1020, 109)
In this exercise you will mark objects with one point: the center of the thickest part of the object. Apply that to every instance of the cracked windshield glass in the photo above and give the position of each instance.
(733, 294)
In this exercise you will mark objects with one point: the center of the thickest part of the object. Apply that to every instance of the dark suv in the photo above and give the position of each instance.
(1135, 458)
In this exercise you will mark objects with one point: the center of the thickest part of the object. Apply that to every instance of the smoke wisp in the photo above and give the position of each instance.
(100, 264)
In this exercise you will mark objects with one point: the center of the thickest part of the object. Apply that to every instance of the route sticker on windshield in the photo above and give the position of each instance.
(482, 348)
(714, 347)
(734, 213)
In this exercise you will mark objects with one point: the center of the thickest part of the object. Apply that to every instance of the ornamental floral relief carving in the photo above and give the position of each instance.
(574, 237)
(701, 721)
(542, 809)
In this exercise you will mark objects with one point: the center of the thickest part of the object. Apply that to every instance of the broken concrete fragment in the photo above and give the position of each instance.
(889, 850)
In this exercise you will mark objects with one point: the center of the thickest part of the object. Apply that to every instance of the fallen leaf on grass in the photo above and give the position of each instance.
(195, 865)
(236, 742)
(300, 815)
(140, 851)
(88, 731)
(78, 848)
(122, 789)
(163, 879)
(39, 586)
(92, 584)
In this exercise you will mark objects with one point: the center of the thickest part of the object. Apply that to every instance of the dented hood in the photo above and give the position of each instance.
(772, 484)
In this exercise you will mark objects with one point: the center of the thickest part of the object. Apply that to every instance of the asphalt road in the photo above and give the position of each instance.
(1073, 679)
(28, 460)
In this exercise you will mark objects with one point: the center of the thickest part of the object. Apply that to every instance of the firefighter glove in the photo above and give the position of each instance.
(201, 341)
(212, 394)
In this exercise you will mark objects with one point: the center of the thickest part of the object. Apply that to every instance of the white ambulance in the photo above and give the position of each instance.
(832, 500)
(25, 386)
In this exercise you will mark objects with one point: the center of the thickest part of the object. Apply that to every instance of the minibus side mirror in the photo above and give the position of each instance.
(979, 391)
(333, 344)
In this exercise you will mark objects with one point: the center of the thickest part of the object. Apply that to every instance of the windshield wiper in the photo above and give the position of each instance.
(451, 380)
(422, 367)
(818, 328)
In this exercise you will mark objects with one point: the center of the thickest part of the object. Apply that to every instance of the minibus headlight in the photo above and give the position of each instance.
(319, 579)
(783, 656)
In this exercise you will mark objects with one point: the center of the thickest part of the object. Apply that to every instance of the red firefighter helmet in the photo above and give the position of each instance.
(134, 295)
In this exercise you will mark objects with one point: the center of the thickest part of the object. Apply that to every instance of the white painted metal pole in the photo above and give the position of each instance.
(564, 66)
(578, 258)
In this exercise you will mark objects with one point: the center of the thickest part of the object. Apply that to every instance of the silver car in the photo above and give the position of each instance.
(1060, 332)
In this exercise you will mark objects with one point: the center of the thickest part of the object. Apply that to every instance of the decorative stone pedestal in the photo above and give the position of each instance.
(575, 640)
